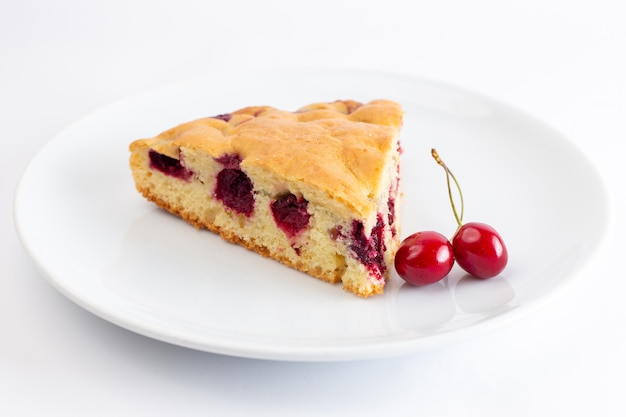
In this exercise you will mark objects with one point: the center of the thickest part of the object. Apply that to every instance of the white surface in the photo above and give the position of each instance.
(115, 254)
(560, 61)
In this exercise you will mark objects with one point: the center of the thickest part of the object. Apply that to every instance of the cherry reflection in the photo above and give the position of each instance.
(431, 306)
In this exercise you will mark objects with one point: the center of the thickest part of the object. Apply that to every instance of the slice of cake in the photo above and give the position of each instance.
(316, 189)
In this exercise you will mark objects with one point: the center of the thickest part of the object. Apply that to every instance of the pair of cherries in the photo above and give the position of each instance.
(427, 257)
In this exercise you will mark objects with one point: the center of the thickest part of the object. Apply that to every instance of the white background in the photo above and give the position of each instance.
(562, 61)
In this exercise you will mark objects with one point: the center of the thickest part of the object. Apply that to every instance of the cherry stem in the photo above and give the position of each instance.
(449, 174)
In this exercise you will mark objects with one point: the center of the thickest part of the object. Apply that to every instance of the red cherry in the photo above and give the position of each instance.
(424, 258)
(479, 250)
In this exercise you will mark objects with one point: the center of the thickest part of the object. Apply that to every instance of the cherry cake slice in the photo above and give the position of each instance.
(316, 189)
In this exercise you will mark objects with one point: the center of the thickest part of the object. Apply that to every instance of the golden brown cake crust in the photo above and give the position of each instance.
(341, 146)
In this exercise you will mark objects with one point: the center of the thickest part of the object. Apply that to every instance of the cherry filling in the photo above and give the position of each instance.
(391, 203)
(391, 217)
(290, 214)
(168, 165)
(234, 188)
(225, 117)
(370, 251)
(230, 160)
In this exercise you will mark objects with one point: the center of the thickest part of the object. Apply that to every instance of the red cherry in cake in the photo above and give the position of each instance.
(234, 188)
(168, 165)
(478, 247)
(370, 251)
(230, 160)
(290, 214)
(225, 117)
(424, 258)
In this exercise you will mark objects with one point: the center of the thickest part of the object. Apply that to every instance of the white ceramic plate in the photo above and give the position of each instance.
(113, 253)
